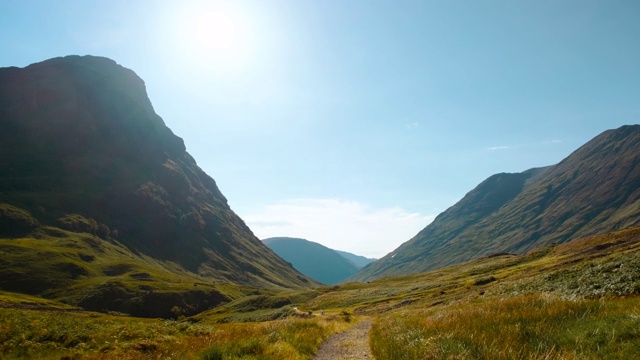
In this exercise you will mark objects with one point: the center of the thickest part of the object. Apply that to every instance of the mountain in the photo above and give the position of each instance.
(84, 157)
(594, 190)
(312, 259)
(357, 260)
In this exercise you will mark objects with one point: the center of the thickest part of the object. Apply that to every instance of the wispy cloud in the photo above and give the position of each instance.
(499, 147)
(413, 125)
(339, 224)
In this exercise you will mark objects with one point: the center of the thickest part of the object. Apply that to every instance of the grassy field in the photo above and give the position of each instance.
(538, 326)
(58, 334)
(578, 300)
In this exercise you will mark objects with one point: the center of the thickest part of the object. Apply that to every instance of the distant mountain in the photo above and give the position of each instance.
(594, 190)
(359, 261)
(83, 151)
(312, 259)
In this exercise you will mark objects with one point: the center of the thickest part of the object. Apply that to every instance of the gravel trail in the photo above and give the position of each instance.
(350, 344)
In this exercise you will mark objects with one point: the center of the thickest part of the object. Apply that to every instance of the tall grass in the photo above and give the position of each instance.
(525, 327)
(28, 334)
(288, 339)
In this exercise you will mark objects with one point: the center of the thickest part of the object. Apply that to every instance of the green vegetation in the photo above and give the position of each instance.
(578, 300)
(15, 222)
(523, 327)
(27, 334)
(601, 266)
(82, 269)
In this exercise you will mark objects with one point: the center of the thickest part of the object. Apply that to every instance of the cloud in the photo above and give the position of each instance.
(339, 224)
(413, 125)
(500, 147)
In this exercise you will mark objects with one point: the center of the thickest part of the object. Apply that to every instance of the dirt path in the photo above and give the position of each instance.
(350, 344)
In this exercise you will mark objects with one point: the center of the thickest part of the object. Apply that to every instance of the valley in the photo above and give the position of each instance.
(115, 244)
(328, 266)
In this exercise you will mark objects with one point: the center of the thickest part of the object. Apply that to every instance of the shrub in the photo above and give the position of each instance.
(484, 281)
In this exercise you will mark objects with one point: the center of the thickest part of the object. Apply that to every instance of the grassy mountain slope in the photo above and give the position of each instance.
(594, 190)
(313, 259)
(84, 270)
(599, 266)
(82, 150)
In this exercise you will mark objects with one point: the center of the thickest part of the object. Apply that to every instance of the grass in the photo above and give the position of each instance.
(606, 265)
(288, 339)
(573, 301)
(525, 327)
(83, 269)
(28, 334)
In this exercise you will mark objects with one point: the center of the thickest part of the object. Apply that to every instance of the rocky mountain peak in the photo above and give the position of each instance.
(78, 135)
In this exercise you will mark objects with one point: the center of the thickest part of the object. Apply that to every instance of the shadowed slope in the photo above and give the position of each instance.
(78, 135)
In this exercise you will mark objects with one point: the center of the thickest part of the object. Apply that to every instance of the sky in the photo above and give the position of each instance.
(354, 123)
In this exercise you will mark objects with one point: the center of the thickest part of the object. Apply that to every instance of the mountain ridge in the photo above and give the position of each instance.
(313, 259)
(596, 189)
(358, 260)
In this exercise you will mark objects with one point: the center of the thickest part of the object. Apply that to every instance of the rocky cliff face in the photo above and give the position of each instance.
(78, 135)
(594, 190)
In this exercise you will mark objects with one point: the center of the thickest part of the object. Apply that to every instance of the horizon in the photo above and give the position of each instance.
(354, 124)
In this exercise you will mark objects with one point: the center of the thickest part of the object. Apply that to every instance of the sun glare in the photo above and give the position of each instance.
(213, 38)
(214, 31)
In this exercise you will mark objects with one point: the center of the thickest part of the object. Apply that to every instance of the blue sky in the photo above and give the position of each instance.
(354, 123)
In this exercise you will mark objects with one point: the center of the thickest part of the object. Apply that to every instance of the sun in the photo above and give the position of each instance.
(213, 38)
(214, 32)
